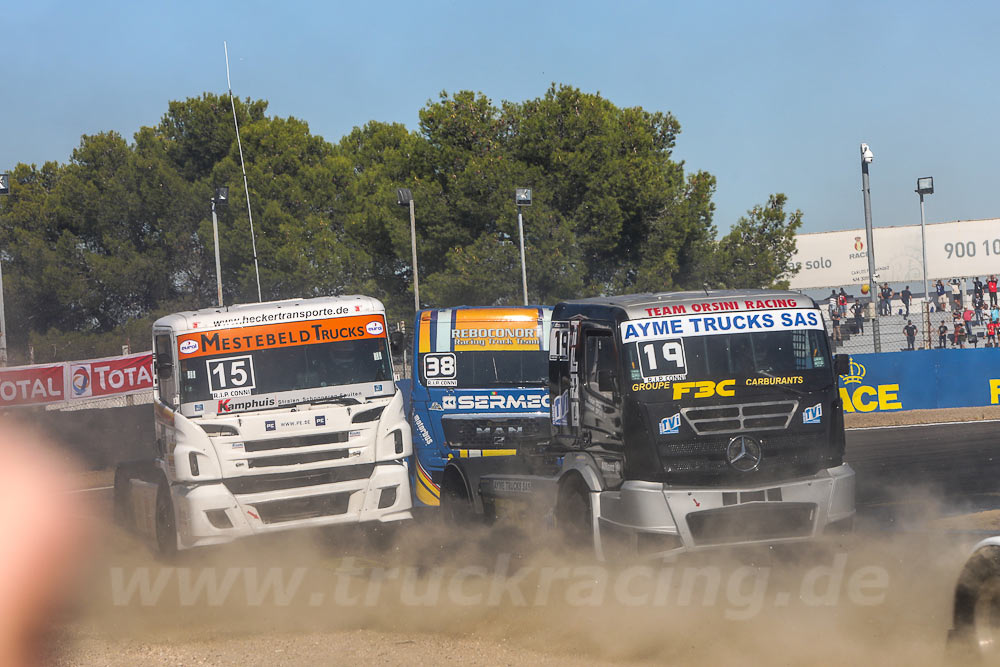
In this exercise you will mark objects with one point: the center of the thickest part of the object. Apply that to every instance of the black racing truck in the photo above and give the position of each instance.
(680, 421)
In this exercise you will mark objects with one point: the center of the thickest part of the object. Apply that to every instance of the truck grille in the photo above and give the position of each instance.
(295, 441)
(750, 523)
(296, 480)
(768, 416)
(297, 459)
(293, 509)
(704, 460)
(499, 433)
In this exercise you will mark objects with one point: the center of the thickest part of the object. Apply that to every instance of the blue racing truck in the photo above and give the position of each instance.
(479, 387)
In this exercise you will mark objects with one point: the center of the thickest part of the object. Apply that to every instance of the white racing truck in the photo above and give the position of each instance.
(680, 421)
(269, 416)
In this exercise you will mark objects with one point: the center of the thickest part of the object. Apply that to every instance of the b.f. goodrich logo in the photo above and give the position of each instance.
(229, 405)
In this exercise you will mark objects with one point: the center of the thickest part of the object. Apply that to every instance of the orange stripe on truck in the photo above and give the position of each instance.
(283, 334)
(496, 329)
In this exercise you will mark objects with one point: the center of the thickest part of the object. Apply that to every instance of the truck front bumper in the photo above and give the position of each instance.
(660, 520)
(222, 511)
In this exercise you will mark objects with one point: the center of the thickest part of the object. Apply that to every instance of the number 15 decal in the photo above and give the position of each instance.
(231, 373)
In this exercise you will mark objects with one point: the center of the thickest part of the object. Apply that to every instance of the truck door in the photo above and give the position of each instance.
(601, 396)
(165, 369)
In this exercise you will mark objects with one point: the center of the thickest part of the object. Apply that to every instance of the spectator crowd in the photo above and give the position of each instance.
(983, 313)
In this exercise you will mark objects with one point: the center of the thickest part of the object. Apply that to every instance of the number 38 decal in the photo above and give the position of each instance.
(440, 366)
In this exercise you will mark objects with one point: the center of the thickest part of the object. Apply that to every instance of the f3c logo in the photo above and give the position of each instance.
(704, 389)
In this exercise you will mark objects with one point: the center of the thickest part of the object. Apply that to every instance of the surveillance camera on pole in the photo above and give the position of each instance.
(522, 197)
(866, 158)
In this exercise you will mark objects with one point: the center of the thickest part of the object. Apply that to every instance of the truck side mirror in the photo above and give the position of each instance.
(396, 342)
(842, 364)
(164, 370)
(606, 381)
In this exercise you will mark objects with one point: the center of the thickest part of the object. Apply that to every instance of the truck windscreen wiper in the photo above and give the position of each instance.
(342, 400)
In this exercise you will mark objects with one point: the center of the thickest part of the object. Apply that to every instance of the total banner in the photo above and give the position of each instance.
(922, 380)
(110, 376)
(41, 384)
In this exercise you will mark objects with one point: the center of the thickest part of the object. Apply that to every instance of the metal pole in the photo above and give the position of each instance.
(923, 247)
(524, 273)
(871, 251)
(218, 264)
(3, 325)
(413, 247)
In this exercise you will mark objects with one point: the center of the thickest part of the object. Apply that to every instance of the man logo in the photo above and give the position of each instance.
(744, 454)
(374, 328)
(189, 346)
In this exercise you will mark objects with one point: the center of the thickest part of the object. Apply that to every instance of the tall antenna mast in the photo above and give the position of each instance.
(243, 166)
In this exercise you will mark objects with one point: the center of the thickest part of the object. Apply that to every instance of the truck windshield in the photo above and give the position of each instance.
(494, 368)
(281, 369)
(796, 358)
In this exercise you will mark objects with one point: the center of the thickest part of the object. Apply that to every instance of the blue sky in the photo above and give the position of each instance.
(771, 96)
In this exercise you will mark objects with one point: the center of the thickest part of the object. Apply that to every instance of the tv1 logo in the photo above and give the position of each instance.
(662, 357)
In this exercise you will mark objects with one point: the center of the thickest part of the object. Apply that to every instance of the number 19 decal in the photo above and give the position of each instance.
(231, 373)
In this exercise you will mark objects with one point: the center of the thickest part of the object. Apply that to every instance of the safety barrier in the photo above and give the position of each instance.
(922, 380)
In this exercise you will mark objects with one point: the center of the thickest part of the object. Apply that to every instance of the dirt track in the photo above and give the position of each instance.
(594, 615)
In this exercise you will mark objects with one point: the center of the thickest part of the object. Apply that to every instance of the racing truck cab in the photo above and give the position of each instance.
(269, 416)
(681, 421)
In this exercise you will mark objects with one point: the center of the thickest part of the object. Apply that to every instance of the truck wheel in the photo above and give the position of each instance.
(976, 632)
(573, 514)
(122, 498)
(456, 506)
(166, 526)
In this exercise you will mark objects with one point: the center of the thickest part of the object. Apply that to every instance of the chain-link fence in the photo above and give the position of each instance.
(956, 314)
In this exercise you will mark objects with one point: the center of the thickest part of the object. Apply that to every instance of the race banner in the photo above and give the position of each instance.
(32, 385)
(98, 378)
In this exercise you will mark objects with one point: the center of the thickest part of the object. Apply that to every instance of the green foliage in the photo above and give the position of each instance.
(758, 249)
(96, 248)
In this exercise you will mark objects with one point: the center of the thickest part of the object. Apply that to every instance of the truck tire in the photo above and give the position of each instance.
(975, 636)
(166, 525)
(573, 514)
(456, 505)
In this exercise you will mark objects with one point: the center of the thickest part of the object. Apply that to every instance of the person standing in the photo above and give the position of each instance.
(842, 302)
(835, 321)
(942, 335)
(991, 334)
(977, 287)
(977, 303)
(911, 334)
(831, 302)
(905, 296)
(991, 286)
(942, 299)
(959, 340)
(967, 320)
(858, 309)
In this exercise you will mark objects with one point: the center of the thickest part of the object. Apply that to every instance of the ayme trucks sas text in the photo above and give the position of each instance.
(269, 416)
(480, 387)
(680, 421)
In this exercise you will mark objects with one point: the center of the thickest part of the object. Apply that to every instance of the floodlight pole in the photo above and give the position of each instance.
(866, 158)
(413, 251)
(4, 189)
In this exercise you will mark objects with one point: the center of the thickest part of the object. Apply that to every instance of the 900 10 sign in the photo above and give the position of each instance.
(968, 248)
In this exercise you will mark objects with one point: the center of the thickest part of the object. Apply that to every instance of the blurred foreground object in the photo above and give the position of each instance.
(43, 530)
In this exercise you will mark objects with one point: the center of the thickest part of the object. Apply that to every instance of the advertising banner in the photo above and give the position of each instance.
(965, 248)
(32, 385)
(922, 380)
(477, 329)
(110, 376)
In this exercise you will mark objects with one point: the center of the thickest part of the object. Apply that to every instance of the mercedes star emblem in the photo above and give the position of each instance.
(744, 454)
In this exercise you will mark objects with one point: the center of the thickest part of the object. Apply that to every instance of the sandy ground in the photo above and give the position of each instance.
(483, 599)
